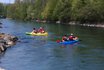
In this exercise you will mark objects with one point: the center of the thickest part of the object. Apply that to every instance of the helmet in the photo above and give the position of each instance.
(34, 28)
(71, 34)
(41, 27)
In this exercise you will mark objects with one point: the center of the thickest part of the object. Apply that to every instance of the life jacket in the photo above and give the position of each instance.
(41, 30)
(71, 37)
(35, 31)
(64, 38)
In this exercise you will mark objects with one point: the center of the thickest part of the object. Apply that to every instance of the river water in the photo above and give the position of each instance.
(43, 53)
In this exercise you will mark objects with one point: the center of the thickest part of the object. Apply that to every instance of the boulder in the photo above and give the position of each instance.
(7, 40)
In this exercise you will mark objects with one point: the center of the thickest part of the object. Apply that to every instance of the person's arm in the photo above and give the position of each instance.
(32, 31)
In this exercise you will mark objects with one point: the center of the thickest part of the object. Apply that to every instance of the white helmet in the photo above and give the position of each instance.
(71, 34)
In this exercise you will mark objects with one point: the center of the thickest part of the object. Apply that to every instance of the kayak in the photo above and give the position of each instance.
(69, 42)
(37, 34)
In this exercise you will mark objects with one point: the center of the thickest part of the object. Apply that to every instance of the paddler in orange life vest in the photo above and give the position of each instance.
(41, 30)
(64, 38)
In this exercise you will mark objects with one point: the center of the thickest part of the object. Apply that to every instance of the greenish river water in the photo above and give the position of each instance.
(43, 53)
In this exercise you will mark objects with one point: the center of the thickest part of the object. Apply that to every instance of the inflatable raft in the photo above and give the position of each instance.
(37, 34)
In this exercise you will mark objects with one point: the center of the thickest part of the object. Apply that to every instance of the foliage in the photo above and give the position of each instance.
(2, 9)
(63, 10)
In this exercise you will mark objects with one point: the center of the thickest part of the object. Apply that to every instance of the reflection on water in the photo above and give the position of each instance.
(43, 53)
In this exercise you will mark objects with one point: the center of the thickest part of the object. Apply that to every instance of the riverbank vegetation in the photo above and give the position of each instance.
(2, 10)
(57, 10)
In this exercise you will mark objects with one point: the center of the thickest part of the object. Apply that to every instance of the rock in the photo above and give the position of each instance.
(2, 47)
(1, 68)
(7, 40)
(58, 22)
(0, 23)
(14, 38)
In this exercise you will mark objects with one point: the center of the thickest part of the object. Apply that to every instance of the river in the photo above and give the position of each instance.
(43, 53)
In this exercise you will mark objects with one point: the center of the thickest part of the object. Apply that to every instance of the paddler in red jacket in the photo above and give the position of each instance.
(72, 37)
(64, 38)
(41, 30)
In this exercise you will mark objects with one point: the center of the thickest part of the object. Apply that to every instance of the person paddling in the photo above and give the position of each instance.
(41, 30)
(34, 30)
(72, 37)
(64, 38)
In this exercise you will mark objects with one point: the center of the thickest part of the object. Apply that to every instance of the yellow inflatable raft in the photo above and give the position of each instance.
(37, 34)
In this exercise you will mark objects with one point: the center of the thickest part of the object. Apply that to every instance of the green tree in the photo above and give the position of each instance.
(87, 10)
(48, 9)
(2, 9)
(62, 10)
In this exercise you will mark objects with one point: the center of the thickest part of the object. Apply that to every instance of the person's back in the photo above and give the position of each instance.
(41, 30)
(34, 30)
(71, 37)
(64, 38)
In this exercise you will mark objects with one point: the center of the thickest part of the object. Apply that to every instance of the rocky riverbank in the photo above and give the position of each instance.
(87, 24)
(7, 40)
(97, 24)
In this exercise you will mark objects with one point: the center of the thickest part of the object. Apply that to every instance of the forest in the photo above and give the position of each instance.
(55, 10)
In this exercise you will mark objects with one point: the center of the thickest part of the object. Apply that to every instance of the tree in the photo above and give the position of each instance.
(48, 9)
(62, 10)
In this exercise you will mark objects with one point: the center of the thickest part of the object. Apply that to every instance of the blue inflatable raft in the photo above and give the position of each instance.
(69, 42)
